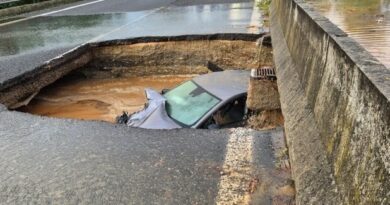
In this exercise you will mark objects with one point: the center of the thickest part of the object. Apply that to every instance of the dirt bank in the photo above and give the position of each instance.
(188, 54)
(174, 57)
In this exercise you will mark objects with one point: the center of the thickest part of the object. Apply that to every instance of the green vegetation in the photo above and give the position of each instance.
(19, 3)
(264, 6)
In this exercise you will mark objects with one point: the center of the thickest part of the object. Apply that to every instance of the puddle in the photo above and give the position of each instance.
(367, 21)
(97, 99)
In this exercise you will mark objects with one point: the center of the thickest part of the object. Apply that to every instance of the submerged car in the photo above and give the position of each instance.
(207, 101)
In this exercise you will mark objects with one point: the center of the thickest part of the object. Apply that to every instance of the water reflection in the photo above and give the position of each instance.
(50, 32)
(367, 21)
(55, 31)
(198, 19)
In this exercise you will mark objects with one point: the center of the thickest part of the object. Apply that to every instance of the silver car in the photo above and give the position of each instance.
(211, 100)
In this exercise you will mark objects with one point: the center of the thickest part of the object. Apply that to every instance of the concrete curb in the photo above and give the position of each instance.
(13, 11)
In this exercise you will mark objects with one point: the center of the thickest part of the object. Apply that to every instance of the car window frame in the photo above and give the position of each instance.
(216, 108)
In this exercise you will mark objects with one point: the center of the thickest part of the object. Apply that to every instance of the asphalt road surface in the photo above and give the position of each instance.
(34, 38)
(47, 161)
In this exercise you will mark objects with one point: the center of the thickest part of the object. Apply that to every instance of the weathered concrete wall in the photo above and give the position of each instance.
(336, 102)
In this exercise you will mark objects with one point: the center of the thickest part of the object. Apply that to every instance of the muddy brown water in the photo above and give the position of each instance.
(367, 21)
(98, 99)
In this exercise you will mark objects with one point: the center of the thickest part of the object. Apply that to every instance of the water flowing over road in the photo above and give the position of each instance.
(367, 21)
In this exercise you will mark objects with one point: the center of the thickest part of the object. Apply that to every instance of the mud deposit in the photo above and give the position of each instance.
(266, 119)
(97, 99)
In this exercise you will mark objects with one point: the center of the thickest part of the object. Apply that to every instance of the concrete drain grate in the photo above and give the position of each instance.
(264, 73)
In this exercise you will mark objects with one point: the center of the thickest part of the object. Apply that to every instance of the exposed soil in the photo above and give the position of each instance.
(263, 95)
(176, 57)
(266, 119)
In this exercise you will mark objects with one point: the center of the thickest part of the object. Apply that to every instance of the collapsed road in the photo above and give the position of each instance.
(334, 96)
(65, 161)
(70, 161)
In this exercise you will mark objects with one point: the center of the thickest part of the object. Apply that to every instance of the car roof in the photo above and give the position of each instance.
(225, 84)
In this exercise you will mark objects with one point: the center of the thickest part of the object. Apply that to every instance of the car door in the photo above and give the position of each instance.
(228, 115)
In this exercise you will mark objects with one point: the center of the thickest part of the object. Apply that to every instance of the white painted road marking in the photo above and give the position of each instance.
(72, 7)
(105, 34)
(237, 169)
(52, 12)
(120, 27)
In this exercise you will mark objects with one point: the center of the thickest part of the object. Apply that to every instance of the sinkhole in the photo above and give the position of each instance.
(100, 81)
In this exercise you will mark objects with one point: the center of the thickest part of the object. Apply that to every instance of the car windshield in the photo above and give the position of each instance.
(188, 102)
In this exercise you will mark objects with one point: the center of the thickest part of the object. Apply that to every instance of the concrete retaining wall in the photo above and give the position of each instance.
(336, 102)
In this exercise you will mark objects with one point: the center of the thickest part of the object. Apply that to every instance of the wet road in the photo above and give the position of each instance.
(47, 161)
(41, 36)
(367, 21)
